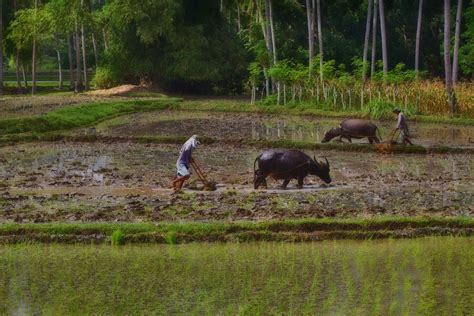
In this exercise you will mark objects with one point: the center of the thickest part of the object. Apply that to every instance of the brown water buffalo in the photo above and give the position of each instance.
(287, 165)
(354, 128)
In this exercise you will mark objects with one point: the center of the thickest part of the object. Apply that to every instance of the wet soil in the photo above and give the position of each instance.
(84, 182)
(268, 127)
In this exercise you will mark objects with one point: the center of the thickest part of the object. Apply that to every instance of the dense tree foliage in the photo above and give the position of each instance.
(226, 46)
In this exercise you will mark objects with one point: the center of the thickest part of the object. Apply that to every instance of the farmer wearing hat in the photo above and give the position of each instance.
(183, 163)
(402, 126)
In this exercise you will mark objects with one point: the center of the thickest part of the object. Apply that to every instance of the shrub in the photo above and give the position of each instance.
(104, 78)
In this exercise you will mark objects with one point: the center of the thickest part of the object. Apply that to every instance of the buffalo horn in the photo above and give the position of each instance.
(327, 162)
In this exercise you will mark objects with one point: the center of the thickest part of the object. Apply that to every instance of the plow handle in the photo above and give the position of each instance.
(198, 171)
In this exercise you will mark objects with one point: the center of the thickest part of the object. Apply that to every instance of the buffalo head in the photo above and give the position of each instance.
(333, 132)
(320, 169)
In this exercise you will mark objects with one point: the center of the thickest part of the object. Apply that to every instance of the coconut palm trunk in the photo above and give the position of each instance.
(374, 40)
(447, 57)
(418, 37)
(33, 58)
(320, 40)
(71, 63)
(84, 55)
(366, 41)
(1, 47)
(384, 38)
(457, 35)
(60, 70)
(17, 72)
(94, 46)
(78, 83)
(309, 17)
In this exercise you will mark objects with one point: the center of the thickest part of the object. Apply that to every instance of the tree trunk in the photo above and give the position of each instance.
(239, 22)
(17, 59)
(309, 16)
(33, 59)
(71, 63)
(17, 72)
(268, 32)
(106, 46)
(320, 40)
(269, 41)
(1, 47)
(447, 57)
(84, 55)
(457, 35)
(418, 37)
(78, 82)
(384, 38)
(60, 70)
(25, 80)
(374, 40)
(366, 41)
(94, 45)
(272, 31)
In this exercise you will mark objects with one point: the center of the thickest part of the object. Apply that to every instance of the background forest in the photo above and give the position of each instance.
(340, 54)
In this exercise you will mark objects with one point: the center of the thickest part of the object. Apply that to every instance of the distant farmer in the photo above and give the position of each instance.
(402, 126)
(184, 161)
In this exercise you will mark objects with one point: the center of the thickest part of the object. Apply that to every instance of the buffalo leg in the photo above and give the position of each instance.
(348, 138)
(285, 183)
(300, 182)
(259, 178)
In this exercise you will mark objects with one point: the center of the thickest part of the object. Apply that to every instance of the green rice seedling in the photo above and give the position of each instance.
(117, 238)
(171, 238)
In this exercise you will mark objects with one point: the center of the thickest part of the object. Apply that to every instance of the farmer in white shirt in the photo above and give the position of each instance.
(184, 161)
(402, 126)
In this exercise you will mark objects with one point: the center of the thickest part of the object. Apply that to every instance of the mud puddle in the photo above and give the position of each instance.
(83, 182)
(267, 127)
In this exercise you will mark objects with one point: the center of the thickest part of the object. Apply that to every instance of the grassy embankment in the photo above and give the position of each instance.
(70, 117)
(53, 125)
(288, 230)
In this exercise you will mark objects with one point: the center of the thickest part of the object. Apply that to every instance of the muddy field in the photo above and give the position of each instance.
(83, 182)
(265, 127)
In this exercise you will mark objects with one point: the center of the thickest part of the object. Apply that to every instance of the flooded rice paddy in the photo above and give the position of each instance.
(423, 276)
(268, 127)
(87, 182)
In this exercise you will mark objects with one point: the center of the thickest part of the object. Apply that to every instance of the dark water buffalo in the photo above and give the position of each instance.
(354, 128)
(287, 165)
